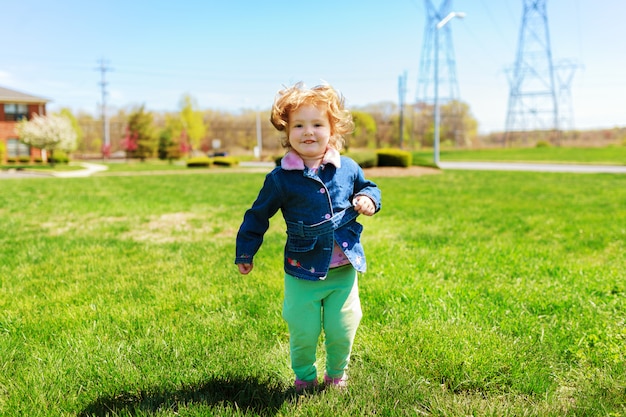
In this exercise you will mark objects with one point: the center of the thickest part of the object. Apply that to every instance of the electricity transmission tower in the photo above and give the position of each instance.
(448, 86)
(539, 96)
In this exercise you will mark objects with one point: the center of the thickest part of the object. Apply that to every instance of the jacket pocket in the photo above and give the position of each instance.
(351, 230)
(299, 244)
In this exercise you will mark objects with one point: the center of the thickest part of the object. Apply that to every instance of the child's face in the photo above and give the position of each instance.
(309, 131)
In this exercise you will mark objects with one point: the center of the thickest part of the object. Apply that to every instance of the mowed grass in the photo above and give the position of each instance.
(488, 294)
(607, 155)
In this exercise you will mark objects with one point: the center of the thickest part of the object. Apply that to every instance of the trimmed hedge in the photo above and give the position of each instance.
(365, 159)
(226, 161)
(199, 162)
(59, 158)
(394, 158)
(18, 160)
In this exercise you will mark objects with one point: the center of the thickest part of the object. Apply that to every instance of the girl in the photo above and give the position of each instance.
(320, 194)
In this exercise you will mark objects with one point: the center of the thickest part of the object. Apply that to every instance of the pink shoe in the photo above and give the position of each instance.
(341, 382)
(305, 385)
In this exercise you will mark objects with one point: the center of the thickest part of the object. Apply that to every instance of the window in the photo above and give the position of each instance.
(15, 111)
(15, 148)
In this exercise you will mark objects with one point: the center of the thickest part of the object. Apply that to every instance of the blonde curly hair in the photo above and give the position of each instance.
(322, 96)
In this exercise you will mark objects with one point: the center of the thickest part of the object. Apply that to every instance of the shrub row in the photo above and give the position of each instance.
(60, 159)
(381, 158)
(394, 158)
(206, 162)
(365, 159)
(227, 161)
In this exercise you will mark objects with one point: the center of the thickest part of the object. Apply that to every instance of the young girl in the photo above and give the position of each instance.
(320, 194)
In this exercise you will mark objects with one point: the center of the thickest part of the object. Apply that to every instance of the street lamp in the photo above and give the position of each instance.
(441, 24)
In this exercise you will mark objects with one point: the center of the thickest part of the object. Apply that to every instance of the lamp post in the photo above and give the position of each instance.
(441, 24)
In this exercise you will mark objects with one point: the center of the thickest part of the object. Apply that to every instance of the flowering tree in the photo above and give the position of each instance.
(48, 133)
(192, 121)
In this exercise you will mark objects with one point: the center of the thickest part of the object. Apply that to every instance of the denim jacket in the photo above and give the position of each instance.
(317, 208)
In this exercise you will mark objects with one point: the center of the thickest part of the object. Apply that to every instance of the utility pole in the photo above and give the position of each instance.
(402, 98)
(259, 137)
(106, 145)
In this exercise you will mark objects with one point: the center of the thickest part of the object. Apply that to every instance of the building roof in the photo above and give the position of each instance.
(12, 96)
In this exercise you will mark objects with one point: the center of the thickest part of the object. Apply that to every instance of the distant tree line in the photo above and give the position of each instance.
(138, 133)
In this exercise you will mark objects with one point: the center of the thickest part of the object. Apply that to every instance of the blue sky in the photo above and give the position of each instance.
(231, 55)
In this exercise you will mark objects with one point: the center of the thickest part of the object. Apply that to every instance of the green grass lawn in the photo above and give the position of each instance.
(611, 155)
(132, 165)
(42, 167)
(488, 294)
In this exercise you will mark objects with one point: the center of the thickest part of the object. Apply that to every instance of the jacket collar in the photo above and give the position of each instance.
(292, 161)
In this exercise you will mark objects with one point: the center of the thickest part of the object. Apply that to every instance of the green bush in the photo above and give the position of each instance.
(2, 151)
(199, 162)
(394, 158)
(226, 161)
(59, 157)
(365, 159)
(542, 144)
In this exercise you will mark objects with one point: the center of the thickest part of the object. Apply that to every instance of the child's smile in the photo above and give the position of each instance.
(309, 133)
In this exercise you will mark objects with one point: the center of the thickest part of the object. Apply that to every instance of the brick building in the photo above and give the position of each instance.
(15, 106)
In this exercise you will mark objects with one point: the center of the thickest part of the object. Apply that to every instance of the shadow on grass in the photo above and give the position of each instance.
(244, 394)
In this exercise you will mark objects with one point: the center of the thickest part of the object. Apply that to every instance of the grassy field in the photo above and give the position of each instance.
(613, 155)
(488, 294)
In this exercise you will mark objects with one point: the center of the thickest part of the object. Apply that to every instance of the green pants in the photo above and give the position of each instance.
(332, 305)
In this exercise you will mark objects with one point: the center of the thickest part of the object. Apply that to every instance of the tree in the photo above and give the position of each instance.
(192, 121)
(170, 144)
(139, 141)
(364, 134)
(383, 114)
(168, 149)
(458, 126)
(50, 133)
(75, 125)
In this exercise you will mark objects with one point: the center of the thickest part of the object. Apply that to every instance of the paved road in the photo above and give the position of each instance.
(506, 166)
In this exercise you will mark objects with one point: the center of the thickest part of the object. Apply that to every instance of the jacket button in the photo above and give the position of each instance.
(322, 191)
(344, 244)
(327, 216)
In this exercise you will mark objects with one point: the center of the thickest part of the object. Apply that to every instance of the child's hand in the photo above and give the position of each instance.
(364, 205)
(245, 268)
